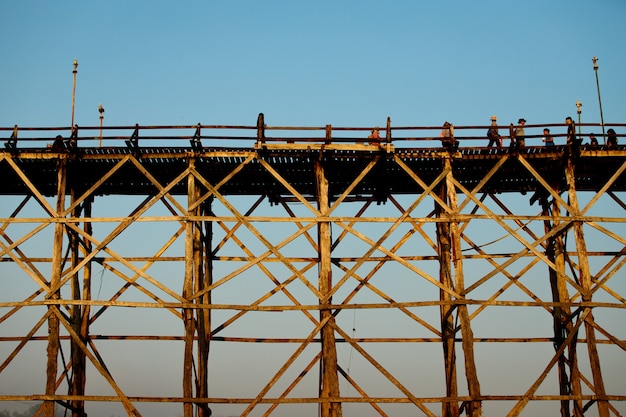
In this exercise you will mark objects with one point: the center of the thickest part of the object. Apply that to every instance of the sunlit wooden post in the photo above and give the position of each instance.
(586, 296)
(569, 382)
(188, 284)
(55, 279)
(197, 321)
(80, 314)
(448, 332)
(329, 377)
(474, 407)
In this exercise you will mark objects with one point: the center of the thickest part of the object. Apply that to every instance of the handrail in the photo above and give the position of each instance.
(474, 135)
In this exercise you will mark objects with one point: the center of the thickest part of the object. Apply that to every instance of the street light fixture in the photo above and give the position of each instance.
(74, 89)
(595, 68)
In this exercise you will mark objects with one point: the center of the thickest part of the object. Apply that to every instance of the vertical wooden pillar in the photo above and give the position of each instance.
(86, 310)
(197, 321)
(585, 283)
(444, 249)
(80, 314)
(203, 256)
(329, 377)
(569, 382)
(474, 407)
(55, 279)
(188, 313)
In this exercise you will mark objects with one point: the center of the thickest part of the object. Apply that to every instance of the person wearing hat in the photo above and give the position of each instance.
(493, 135)
(519, 134)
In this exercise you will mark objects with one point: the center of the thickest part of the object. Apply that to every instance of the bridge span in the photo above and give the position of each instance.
(255, 270)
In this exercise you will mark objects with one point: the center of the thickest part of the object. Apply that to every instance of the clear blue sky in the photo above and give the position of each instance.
(345, 63)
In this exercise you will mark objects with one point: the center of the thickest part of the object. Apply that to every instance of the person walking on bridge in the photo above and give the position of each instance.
(519, 136)
(492, 133)
(571, 131)
(573, 143)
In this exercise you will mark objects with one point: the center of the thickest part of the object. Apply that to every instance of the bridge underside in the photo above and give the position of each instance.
(338, 279)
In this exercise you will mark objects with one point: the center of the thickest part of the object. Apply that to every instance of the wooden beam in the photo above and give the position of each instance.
(188, 290)
(447, 310)
(473, 408)
(586, 284)
(329, 383)
(57, 265)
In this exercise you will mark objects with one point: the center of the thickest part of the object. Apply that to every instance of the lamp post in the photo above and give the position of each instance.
(578, 110)
(595, 68)
(74, 89)
(101, 111)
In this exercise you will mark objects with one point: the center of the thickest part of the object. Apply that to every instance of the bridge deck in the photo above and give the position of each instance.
(294, 162)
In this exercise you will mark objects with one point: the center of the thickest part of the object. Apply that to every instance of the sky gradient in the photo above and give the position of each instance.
(346, 63)
(343, 63)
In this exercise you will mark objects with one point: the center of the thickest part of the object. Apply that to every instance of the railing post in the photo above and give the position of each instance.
(260, 128)
(388, 134)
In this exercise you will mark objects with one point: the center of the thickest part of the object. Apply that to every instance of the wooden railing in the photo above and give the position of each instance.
(210, 135)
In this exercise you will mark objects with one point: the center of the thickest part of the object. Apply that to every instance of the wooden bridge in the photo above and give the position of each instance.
(259, 270)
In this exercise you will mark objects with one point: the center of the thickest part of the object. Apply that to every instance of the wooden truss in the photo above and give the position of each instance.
(343, 280)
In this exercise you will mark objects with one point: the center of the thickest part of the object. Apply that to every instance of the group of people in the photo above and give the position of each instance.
(518, 136)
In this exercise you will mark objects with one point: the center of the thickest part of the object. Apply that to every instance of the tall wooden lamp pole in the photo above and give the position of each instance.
(74, 89)
(595, 68)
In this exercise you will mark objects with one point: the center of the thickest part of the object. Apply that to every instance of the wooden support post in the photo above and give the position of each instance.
(329, 376)
(80, 314)
(55, 279)
(203, 263)
(86, 309)
(188, 313)
(586, 284)
(197, 321)
(448, 332)
(474, 407)
(569, 382)
(78, 356)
